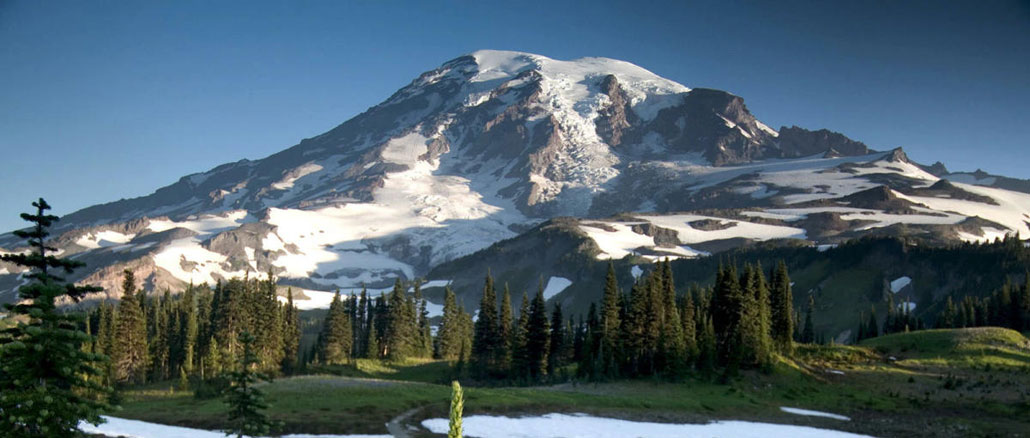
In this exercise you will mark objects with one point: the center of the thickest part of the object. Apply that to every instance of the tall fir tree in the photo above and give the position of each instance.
(611, 325)
(537, 337)
(291, 335)
(808, 333)
(556, 346)
(129, 352)
(448, 336)
(400, 335)
(48, 384)
(246, 402)
(781, 303)
(336, 336)
(425, 335)
(485, 341)
(506, 330)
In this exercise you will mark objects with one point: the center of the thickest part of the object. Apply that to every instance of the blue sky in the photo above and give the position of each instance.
(105, 100)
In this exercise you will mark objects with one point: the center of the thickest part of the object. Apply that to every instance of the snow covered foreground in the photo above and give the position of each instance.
(576, 426)
(120, 427)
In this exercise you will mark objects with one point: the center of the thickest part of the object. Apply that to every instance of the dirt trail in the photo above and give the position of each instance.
(396, 426)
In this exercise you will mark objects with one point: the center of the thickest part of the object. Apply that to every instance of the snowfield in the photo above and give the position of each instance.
(555, 285)
(584, 426)
(120, 427)
(899, 283)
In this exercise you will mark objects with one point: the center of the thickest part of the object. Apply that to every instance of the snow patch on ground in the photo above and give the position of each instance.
(583, 426)
(316, 299)
(555, 285)
(636, 272)
(103, 239)
(899, 283)
(296, 174)
(814, 413)
(120, 427)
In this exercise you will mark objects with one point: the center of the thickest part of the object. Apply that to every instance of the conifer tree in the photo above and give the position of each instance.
(129, 352)
(611, 325)
(211, 363)
(425, 336)
(399, 336)
(448, 336)
(485, 343)
(506, 329)
(520, 353)
(191, 330)
(707, 349)
(336, 336)
(556, 351)
(291, 335)
(246, 402)
(672, 344)
(689, 323)
(782, 309)
(537, 337)
(48, 384)
(808, 334)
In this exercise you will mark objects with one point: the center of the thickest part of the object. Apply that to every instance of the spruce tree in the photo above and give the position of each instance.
(505, 329)
(246, 402)
(399, 335)
(48, 384)
(291, 335)
(611, 325)
(537, 337)
(782, 309)
(448, 336)
(808, 334)
(485, 343)
(425, 336)
(336, 336)
(556, 347)
(520, 354)
(673, 348)
(689, 323)
(130, 352)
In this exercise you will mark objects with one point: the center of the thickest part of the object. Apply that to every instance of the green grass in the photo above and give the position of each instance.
(935, 376)
(961, 348)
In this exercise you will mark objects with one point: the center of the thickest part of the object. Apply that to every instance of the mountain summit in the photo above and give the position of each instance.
(490, 144)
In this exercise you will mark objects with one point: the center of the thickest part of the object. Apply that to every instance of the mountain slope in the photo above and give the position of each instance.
(493, 143)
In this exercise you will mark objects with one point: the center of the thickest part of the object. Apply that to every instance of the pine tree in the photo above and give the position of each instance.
(425, 336)
(782, 309)
(689, 322)
(191, 330)
(336, 336)
(707, 347)
(506, 329)
(485, 343)
(611, 325)
(672, 345)
(157, 338)
(457, 406)
(211, 363)
(291, 335)
(246, 402)
(399, 336)
(448, 336)
(48, 384)
(556, 352)
(129, 351)
(808, 334)
(537, 337)
(520, 353)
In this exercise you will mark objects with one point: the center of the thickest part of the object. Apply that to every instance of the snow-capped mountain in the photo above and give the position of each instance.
(492, 143)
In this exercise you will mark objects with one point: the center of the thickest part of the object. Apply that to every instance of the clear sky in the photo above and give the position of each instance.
(103, 100)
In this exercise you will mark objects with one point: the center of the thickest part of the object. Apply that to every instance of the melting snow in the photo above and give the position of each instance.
(296, 174)
(120, 427)
(103, 239)
(577, 426)
(635, 271)
(814, 413)
(898, 284)
(554, 286)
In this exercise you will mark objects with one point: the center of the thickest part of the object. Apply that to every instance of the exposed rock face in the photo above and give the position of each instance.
(800, 142)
